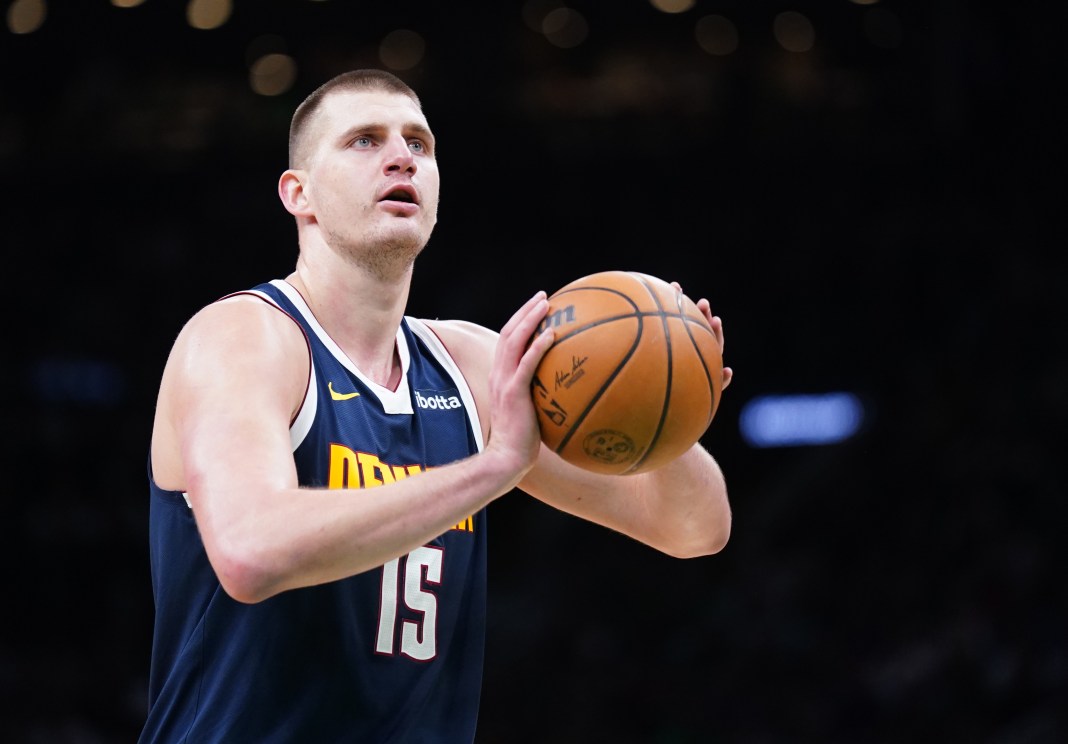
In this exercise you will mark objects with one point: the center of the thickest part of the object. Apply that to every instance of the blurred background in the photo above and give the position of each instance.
(866, 192)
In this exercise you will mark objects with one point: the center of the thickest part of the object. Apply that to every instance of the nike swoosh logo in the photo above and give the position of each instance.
(339, 396)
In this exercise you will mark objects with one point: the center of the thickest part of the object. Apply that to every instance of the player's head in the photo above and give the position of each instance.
(300, 144)
(363, 178)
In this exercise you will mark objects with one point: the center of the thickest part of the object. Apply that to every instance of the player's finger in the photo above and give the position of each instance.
(540, 344)
(523, 311)
(717, 328)
(517, 332)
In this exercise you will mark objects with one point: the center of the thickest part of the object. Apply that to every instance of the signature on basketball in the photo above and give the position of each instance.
(569, 378)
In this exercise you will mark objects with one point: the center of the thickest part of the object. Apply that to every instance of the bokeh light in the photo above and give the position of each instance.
(672, 6)
(26, 16)
(716, 35)
(565, 28)
(402, 49)
(208, 14)
(272, 74)
(794, 31)
(534, 12)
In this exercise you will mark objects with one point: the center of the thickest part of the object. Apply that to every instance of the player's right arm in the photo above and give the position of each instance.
(236, 376)
(234, 380)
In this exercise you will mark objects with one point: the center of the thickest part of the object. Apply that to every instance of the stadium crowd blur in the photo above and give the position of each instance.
(866, 193)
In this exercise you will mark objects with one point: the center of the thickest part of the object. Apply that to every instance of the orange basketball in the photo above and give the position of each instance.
(633, 377)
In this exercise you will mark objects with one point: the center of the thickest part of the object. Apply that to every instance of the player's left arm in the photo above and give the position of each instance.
(680, 509)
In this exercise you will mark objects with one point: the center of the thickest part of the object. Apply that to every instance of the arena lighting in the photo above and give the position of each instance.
(800, 420)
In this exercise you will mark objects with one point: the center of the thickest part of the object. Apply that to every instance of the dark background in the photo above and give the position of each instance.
(875, 214)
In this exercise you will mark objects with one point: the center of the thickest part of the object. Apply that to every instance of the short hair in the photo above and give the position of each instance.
(354, 80)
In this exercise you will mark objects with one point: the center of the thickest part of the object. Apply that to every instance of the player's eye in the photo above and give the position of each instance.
(417, 145)
(362, 142)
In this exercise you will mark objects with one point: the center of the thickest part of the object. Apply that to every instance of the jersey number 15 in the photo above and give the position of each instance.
(405, 580)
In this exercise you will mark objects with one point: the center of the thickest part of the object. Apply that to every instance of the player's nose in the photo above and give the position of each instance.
(398, 155)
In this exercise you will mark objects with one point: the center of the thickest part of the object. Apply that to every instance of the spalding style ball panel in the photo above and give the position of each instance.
(634, 375)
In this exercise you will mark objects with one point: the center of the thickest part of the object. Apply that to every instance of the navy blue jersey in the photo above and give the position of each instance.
(390, 655)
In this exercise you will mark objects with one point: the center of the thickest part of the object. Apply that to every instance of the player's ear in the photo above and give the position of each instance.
(291, 192)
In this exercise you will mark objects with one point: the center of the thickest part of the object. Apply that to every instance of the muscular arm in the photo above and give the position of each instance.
(680, 509)
(235, 377)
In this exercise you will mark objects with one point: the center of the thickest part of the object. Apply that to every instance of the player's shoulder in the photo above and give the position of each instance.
(463, 331)
(468, 343)
(241, 320)
(241, 308)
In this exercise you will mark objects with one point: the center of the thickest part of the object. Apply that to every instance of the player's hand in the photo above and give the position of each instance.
(717, 328)
(514, 431)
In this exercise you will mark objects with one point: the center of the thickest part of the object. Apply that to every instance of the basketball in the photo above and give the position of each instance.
(633, 377)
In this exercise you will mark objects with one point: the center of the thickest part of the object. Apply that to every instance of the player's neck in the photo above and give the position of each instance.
(360, 313)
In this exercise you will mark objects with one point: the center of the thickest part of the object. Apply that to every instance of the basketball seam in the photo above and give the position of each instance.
(608, 382)
(639, 314)
(704, 366)
(603, 388)
(666, 403)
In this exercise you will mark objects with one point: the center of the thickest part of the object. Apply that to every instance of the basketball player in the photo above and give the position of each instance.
(321, 465)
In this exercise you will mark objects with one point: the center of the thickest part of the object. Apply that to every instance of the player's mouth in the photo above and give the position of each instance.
(401, 198)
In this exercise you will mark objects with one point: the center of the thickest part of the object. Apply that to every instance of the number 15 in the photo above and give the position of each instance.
(418, 639)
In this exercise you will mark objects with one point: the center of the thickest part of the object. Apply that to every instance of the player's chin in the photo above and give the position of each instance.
(404, 241)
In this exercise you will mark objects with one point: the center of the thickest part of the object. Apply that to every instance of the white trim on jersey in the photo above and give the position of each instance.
(306, 415)
(393, 401)
(302, 424)
(420, 329)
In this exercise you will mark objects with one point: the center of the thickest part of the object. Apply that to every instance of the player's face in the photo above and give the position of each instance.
(374, 176)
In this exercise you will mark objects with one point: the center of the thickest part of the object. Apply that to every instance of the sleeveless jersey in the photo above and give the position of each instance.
(390, 655)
